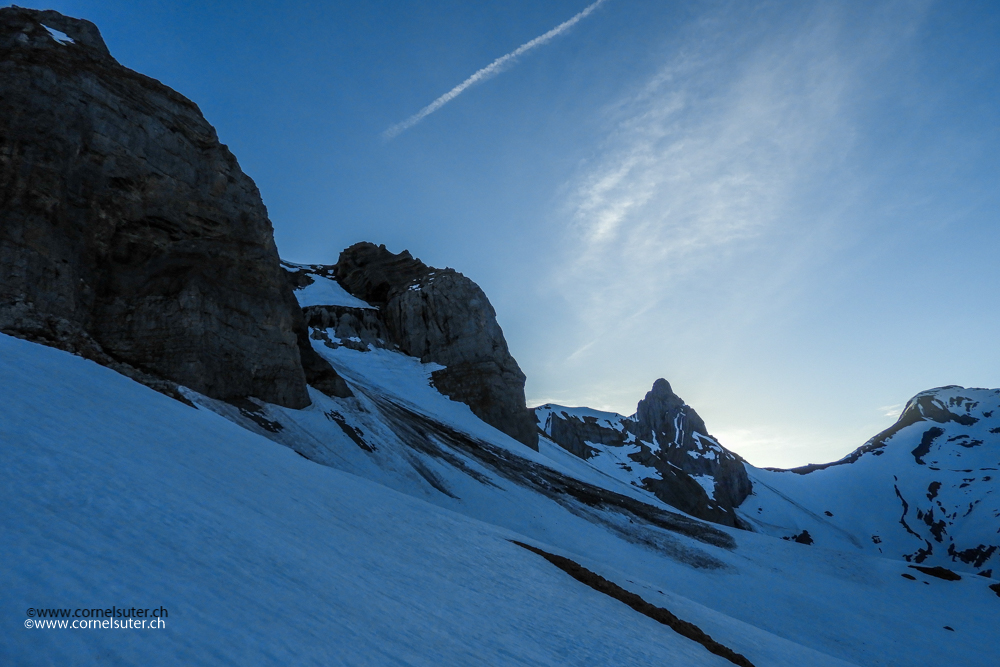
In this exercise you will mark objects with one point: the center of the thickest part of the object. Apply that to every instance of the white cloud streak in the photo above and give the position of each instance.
(690, 236)
(706, 160)
(487, 72)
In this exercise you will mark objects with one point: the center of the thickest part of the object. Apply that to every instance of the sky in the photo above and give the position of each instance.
(787, 209)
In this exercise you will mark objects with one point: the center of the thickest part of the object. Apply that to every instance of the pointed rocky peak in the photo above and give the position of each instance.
(680, 439)
(664, 448)
(664, 417)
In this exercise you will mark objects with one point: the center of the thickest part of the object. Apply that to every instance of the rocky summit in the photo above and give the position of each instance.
(664, 448)
(436, 315)
(683, 442)
(129, 233)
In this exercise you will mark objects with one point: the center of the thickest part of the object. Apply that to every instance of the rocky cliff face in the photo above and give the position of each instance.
(129, 230)
(664, 448)
(663, 418)
(438, 315)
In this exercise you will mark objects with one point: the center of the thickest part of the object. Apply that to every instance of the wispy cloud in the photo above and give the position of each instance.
(891, 410)
(487, 72)
(711, 169)
(722, 154)
(703, 160)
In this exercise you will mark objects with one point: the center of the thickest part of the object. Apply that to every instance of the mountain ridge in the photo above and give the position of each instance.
(354, 448)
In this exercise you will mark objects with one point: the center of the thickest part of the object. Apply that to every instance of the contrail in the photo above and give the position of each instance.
(492, 69)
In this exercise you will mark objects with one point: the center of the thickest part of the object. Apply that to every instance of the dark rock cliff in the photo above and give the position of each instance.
(128, 233)
(441, 316)
(663, 417)
(685, 466)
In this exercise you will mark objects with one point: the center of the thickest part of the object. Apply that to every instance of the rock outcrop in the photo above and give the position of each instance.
(664, 448)
(441, 316)
(126, 225)
(356, 326)
(664, 419)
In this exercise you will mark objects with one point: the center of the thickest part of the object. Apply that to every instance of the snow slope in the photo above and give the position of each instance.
(125, 497)
(323, 290)
(117, 495)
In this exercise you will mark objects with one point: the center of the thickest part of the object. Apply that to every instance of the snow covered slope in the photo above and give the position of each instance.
(926, 490)
(126, 498)
(117, 495)
(323, 289)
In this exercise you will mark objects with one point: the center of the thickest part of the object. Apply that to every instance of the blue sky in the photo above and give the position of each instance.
(787, 209)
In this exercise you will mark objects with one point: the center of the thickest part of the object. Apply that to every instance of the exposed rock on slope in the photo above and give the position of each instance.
(437, 315)
(664, 448)
(129, 230)
(326, 306)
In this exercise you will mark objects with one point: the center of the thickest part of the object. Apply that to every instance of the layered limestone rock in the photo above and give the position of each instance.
(440, 316)
(124, 223)
(664, 448)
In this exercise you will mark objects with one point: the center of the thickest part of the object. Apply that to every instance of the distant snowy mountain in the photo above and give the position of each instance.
(926, 490)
